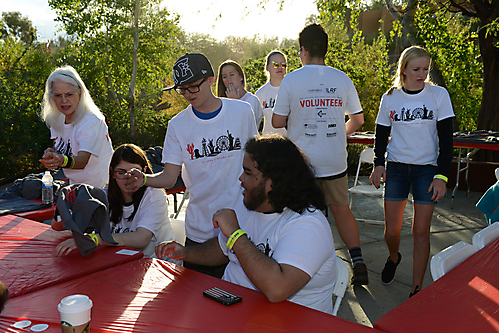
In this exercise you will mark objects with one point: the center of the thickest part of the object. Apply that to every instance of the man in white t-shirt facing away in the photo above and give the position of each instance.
(206, 141)
(312, 103)
(276, 240)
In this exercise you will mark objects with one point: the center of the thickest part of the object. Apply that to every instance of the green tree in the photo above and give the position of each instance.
(124, 50)
(23, 72)
(17, 27)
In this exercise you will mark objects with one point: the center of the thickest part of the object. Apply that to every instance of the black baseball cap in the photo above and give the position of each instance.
(189, 68)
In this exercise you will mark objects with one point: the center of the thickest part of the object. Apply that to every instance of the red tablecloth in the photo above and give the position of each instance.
(466, 299)
(27, 260)
(150, 295)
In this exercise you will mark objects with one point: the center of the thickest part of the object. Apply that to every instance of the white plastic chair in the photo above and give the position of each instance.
(486, 235)
(178, 227)
(367, 156)
(341, 284)
(447, 259)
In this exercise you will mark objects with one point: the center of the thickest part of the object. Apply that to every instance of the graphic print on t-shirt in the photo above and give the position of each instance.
(270, 104)
(62, 147)
(411, 115)
(213, 147)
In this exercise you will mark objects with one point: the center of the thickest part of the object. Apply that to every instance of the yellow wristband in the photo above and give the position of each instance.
(145, 179)
(65, 161)
(441, 177)
(234, 237)
(94, 238)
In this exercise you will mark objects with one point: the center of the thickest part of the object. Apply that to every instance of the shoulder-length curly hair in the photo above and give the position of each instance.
(221, 88)
(293, 180)
(51, 115)
(130, 153)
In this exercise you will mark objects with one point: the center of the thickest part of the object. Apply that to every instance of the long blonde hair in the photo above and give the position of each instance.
(409, 54)
(51, 115)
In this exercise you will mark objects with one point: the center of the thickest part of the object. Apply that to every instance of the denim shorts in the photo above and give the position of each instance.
(401, 177)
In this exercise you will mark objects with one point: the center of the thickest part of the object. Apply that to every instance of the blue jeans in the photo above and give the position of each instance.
(401, 177)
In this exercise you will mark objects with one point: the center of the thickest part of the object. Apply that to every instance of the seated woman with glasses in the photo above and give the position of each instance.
(267, 94)
(231, 83)
(139, 219)
(81, 141)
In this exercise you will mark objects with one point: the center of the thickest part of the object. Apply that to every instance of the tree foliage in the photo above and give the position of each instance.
(102, 51)
(23, 71)
(15, 26)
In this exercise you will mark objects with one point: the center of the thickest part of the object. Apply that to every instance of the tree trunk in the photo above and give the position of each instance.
(488, 117)
(134, 71)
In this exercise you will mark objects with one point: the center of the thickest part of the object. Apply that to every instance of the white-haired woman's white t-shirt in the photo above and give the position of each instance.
(90, 135)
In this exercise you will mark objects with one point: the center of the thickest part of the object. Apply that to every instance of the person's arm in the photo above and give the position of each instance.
(164, 179)
(208, 253)
(279, 121)
(380, 143)
(137, 239)
(276, 281)
(52, 159)
(445, 142)
(354, 122)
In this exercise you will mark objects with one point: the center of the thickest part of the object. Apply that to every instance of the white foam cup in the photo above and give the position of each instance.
(75, 312)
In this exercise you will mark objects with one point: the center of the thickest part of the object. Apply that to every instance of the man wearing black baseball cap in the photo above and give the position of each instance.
(206, 140)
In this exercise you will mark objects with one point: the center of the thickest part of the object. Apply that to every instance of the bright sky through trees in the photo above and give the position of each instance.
(216, 18)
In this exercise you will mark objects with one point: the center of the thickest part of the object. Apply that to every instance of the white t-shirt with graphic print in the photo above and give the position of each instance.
(255, 105)
(152, 214)
(316, 99)
(267, 95)
(211, 153)
(303, 240)
(413, 120)
(90, 135)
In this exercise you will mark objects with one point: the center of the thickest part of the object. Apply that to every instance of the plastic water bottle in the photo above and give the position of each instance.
(47, 188)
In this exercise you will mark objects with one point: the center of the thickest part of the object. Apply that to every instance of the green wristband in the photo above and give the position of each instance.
(441, 177)
(234, 237)
(94, 238)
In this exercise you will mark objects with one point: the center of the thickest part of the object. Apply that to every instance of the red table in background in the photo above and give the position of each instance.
(361, 137)
(466, 299)
(39, 214)
(150, 295)
(27, 261)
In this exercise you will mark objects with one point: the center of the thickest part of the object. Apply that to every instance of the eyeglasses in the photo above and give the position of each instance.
(120, 174)
(67, 96)
(300, 50)
(275, 64)
(192, 89)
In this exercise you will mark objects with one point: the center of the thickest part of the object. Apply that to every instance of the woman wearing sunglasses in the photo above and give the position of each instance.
(138, 219)
(231, 83)
(276, 69)
(81, 141)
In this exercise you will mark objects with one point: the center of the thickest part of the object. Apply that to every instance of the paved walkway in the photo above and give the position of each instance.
(367, 304)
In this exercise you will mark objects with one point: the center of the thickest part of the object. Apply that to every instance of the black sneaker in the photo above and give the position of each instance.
(360, 277)
(388, 272)
(416, 290)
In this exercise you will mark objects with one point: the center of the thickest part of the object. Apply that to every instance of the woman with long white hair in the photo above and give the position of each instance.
(81, 141)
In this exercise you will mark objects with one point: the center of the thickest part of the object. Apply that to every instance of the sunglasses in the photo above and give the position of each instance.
(275, 64)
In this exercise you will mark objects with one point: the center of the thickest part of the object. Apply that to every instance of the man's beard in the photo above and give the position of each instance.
(256, 197)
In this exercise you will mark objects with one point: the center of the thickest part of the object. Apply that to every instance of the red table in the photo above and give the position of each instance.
(361, 137)
(466, 299)
(150, 295)
(27, 261)
(39, 214)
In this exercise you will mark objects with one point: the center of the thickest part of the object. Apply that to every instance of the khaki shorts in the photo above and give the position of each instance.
(335, 191)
